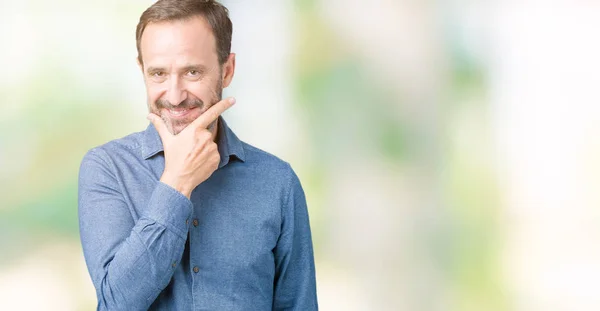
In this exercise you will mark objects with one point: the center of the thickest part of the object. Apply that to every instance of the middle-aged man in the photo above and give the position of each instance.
(184, 215)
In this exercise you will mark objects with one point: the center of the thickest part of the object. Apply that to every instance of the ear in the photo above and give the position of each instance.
(228, 70)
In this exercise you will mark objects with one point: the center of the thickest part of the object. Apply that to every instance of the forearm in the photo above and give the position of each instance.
(130, 275)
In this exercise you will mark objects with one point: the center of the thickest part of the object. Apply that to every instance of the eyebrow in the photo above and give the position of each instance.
(200, 68)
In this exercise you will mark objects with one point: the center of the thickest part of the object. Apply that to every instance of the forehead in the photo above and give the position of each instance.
(181, 41)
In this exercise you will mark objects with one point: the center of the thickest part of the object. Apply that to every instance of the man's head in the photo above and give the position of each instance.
(184, 53)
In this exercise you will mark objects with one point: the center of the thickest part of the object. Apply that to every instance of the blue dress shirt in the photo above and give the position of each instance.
(242, 242)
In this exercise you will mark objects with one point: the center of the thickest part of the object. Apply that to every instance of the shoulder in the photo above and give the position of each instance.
(278, 176)
(264, 160)
(105, 154)
(272, 167)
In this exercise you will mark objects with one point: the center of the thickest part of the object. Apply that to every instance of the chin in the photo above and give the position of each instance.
(177, 125)
(177, 128)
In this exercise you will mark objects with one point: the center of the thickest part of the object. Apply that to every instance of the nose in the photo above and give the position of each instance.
(176, 92)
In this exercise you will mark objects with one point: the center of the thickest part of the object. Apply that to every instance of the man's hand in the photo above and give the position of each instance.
(190, 156)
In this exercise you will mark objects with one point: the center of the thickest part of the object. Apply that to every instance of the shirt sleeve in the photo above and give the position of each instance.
(295, 284)
(130, 262)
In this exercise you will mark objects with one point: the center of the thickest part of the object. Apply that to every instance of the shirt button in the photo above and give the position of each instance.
(195, 222)
(187, 221)
(196, 269)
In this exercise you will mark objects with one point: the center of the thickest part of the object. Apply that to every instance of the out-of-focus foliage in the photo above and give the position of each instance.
(448, 149)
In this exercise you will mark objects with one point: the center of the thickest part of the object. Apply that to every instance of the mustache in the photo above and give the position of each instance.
(186, 104)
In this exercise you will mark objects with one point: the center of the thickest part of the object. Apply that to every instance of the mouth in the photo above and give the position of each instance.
(178, 113)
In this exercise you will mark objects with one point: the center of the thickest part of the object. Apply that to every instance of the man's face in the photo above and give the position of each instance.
(181, 70)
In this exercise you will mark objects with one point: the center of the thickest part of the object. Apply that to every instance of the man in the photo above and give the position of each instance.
(184, 215)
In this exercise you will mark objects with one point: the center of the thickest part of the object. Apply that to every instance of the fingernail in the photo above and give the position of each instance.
(232, 100)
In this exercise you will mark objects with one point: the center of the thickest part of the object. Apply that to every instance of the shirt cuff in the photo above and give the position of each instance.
(170, 208)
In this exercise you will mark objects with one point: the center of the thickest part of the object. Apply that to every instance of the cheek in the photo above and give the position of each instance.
(153, 92)
(204, 90)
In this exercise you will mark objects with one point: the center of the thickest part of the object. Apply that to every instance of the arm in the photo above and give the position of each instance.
(295, 284)
(129, 262)
(132, 262)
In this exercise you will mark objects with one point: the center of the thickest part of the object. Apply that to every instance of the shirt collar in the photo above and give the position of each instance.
(228, 143)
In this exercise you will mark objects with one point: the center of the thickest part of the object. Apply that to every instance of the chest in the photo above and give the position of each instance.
(236, 217)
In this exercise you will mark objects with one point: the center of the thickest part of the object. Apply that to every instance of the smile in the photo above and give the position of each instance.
(178, 112)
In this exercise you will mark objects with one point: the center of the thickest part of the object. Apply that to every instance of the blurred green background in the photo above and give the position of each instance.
(448, 149)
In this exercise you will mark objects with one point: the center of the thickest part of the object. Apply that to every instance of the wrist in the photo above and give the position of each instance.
(176, 184)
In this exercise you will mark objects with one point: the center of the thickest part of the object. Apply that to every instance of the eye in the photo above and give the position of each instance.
(157, 74)
(193, 73)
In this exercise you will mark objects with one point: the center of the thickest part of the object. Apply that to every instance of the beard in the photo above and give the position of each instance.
(176, 125)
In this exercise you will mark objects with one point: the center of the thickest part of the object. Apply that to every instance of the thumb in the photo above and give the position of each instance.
(160, 126)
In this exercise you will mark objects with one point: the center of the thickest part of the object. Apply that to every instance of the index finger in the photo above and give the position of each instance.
(160, 125)
(212, 113)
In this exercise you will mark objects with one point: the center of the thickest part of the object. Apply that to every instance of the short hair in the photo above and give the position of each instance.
(212, 11)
